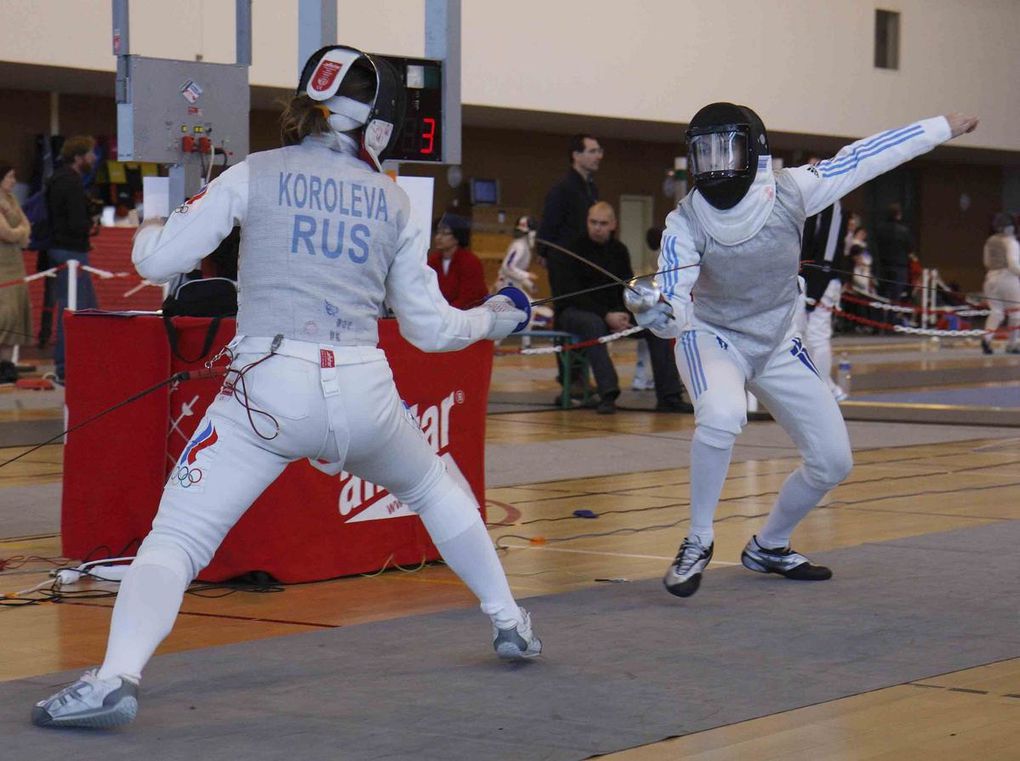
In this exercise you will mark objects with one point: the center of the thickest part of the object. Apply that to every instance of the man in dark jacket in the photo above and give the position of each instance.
(602, 311)
(565, 213)
(71, 224)
(895, 244)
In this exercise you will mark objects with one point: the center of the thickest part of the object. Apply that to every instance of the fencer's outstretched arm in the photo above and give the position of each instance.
(823, 184)
(194, 229)
(424, 316)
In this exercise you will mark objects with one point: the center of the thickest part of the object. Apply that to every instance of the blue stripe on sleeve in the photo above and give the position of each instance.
(871, 152)
(837, 162)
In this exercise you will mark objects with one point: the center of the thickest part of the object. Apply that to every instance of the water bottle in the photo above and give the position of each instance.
(843, 373)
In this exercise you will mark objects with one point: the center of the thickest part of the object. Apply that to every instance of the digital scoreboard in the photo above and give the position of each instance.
(421, 137)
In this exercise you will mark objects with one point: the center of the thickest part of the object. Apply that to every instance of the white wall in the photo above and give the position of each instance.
(804, 65)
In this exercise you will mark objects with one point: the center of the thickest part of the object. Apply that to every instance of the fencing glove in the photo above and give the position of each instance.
(661, 320)
(511, 311)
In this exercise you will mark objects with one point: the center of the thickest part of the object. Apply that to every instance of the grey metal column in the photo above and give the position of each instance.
(316, 27)
(442, 40)
(242, 31)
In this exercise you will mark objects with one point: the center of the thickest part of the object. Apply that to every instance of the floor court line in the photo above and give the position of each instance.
(598, 552)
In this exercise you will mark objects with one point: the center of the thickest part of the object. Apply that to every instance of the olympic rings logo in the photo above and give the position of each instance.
(187, 477)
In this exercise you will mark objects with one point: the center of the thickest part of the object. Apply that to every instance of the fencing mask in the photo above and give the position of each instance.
(724, 143)
(1002, 223)
(380, 119)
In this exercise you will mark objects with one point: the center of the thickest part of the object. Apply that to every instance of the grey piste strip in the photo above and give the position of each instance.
(605, 453)
(624, 665)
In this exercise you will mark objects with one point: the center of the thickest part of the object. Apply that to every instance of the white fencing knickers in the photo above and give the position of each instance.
(716, 376)
(348, 414)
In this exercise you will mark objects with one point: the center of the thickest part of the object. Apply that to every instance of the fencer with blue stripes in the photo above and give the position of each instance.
(326, 238)
(730, 257)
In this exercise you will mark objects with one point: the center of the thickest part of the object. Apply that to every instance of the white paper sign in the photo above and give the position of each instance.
(156, 197)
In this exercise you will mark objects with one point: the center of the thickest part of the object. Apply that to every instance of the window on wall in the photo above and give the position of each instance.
(887, 39)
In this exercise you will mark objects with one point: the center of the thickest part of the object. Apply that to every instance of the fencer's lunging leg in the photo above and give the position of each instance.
(452, 519)
(147, 604)
(190, 525)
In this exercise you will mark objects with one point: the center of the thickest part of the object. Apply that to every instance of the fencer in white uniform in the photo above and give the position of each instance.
(514, 269)
(1001, 257)
(738, 237)
(325, 239)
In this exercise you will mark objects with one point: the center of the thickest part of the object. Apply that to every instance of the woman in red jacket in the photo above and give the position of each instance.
(461, 279)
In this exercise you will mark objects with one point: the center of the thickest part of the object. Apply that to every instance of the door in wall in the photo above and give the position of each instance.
(635, 217)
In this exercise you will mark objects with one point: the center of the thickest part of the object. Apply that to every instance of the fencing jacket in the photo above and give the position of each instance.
(746, 293)
(1001, 253)
(324, 241)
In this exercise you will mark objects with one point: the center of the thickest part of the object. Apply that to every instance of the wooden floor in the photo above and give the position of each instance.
(892, 492)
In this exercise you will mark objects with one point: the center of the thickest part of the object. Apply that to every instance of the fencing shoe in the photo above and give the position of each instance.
(518, 641)
(783, 561)
(684, 577)
(89, 702)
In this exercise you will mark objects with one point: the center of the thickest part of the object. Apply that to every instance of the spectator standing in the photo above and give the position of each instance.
(15, 312)
(565, 219)
(71, 226)
(600, 312)
(1002, 285)
(894, 244)
(460, 274)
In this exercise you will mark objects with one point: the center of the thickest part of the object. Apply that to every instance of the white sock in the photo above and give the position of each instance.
(709, 465)
(147, 604)
(795, 499)
(472, 557)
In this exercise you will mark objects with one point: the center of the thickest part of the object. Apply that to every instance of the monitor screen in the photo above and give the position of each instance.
(484, 191)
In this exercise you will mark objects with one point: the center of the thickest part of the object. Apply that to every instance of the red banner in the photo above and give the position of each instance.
(307, 525)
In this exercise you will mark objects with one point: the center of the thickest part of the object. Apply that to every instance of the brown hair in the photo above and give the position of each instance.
(303, 116)
(76, 146)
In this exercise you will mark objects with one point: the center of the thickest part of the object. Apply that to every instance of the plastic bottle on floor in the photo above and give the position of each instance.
(843, 373)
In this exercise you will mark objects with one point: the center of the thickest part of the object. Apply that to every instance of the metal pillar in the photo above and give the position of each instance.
(442, 40)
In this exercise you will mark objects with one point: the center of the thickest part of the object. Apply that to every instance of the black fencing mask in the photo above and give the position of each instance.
(724, 143)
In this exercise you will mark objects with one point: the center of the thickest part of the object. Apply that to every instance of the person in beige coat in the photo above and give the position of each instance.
(15, 312)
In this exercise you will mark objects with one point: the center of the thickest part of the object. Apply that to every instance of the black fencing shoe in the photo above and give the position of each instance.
(783, 561)
(684, 577)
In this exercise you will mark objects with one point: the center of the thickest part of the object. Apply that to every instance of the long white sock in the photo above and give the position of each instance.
(708, 474)
(147, 604)
(795, 499)
(472, 557)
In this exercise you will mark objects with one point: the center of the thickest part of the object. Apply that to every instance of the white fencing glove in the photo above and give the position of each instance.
(661, 320)
(511, 311)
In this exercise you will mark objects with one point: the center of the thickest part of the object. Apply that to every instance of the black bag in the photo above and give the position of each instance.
(8, 371)
(214, 297)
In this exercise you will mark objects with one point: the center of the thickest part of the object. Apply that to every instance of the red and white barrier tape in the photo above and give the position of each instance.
(51, 272)
(975, 333)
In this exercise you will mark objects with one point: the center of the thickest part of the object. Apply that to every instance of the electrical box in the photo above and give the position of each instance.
(167, 109)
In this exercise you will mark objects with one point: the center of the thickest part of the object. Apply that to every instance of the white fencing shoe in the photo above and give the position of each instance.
(783, 561)
(89, 702)
(684, 576)
(518, 641)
